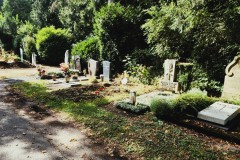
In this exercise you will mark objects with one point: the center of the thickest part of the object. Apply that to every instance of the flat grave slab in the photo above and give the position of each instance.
(219, 112)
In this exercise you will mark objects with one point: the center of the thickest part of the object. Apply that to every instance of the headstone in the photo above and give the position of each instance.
(106, 70)
(34, 59)
(21, 54)
(231, 88)
(77, 63)
(92, 67)
(219, 113)
(169, 80)
(66, 58)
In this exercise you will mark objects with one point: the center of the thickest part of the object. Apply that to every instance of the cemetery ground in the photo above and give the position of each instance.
(125, 135)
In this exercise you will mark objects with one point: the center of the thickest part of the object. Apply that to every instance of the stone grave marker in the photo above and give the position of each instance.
(21, 54)
(168, 82)
(77, 63)
(106, 70)
(231, 88)
(92, 67)
(66, 58)
(34, 59)
(219, 113)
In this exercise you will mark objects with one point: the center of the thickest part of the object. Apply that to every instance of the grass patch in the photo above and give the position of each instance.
(138, 135)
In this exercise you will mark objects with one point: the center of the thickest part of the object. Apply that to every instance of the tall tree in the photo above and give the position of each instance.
(78, 16)
(45, 13)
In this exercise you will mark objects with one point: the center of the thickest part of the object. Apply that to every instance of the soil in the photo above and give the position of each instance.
(57, 121)
(5, 65)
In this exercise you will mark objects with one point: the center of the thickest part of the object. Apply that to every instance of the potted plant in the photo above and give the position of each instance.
(65, 68)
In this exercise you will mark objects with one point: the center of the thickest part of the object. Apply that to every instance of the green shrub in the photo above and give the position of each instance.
(187, 103)
(119, 32)
(29, 45)
(192, 103)
(51, 44)
(138, 108)
(184, 76)
(202, 81)
(89, 48)
(162, 108)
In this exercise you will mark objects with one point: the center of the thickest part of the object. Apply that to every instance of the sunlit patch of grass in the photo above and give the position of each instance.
(140, 135)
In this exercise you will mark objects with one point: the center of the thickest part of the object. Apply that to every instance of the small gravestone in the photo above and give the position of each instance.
(66, 58)
(231, 88)
(106, 70)
(169, 81)
(34, 59)
(219, 113)
(21, 54)
(92, 67)
(77, 63)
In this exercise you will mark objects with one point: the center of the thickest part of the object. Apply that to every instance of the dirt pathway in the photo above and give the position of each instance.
(41, 135)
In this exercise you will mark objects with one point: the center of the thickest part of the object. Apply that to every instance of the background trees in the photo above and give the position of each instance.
(138, 32)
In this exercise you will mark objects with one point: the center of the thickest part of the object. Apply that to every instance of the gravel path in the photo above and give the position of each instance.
(50, 138)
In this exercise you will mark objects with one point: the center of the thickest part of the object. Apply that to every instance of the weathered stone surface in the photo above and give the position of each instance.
(106, 70)
(66, 58)
(169, 86)
(231, 87)
(170, 70)
(169, 81)
(220, 113)
(92, 67)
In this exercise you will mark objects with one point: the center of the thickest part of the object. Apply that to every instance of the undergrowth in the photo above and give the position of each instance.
(139, 135)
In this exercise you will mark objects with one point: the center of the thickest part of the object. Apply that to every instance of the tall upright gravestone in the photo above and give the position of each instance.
(34, 59)
(66, 58)
(169, 81)
(231, 88)
(106, 70)
(21, 54)
(92, 67)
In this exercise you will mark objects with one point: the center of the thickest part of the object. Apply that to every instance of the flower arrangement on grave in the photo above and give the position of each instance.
(97, 92)
(74, 73)
(41, 70)
(8, 56)
(65, 68)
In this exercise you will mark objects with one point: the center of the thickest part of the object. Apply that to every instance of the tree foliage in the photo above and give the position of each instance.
(198, 31)
(51, 44)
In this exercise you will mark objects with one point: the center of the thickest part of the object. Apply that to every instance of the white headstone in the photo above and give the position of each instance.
(219, 113)
(21, 54)
(92, 67)
(34, 59)
(66, 59)
(106, 70)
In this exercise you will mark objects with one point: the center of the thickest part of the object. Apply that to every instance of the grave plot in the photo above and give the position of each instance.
(219, 113)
